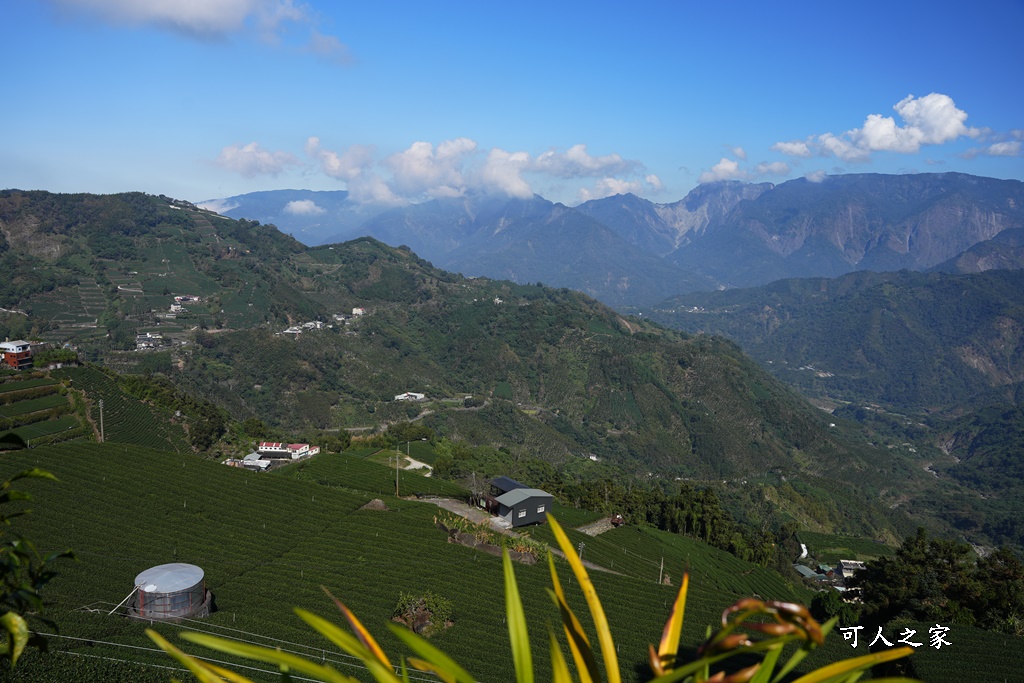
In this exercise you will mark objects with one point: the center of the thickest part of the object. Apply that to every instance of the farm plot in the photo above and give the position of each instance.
(32, 405)
(359, 474)
(125, 418)
(47, 428)
(22, 385)
(268, 543)
(831, 548)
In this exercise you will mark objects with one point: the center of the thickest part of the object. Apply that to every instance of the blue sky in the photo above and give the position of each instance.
(403, 101)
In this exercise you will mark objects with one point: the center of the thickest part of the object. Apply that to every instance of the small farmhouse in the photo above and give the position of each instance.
(17, 354)
(524, 506)
(410, 396)
(847, 568)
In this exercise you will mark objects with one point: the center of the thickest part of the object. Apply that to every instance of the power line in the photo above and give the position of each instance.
(307, 650)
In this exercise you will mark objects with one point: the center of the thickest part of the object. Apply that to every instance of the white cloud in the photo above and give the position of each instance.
(739, 153)
(221, 206)
(816, 176)
(270, 20)
(930, 120)
(1010, 148)
(610, 186)
(502, 172)
(726, 169)
(459, 166)
(252, 160)
(304, 207)
(576, 162)
(793, 149)
(421, 169)
(348, 166)
(772, 168)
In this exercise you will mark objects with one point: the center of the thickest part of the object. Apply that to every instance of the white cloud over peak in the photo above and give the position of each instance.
(269, 20)
(348, 166)
(930, 120)
(576, 162)
(423, 170)
(816, 176)
(726, 169)
(253, 160)
(304, 207)
(502, 172)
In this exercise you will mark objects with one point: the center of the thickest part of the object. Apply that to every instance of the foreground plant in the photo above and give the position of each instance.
(23, 574)
(749, 627)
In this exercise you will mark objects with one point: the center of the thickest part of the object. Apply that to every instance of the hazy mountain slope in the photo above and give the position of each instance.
(312, 217)
(854, 222)
(1004, 251)
(659, 229)
(531, 240)
(721, 234)
(909, 340)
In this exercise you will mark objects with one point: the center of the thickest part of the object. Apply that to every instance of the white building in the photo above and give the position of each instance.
(410, 396)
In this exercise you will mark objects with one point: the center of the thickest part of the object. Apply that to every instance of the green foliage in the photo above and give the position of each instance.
(24, 572)
(938, 580)
(52, 356)
(419, 612)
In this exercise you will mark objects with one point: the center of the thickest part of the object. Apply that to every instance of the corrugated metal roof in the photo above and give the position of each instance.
(517, 496)
(507, 484)
(805, 571)
(169, 578)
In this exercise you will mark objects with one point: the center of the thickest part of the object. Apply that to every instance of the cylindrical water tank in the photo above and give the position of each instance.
(170, 591)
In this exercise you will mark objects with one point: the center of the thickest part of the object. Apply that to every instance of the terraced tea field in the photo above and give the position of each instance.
(268, 543)
(125, 419)
(33, 408)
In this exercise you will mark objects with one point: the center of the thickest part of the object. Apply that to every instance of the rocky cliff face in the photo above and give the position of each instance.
(854, 222)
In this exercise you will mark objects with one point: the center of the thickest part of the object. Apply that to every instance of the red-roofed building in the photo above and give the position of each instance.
(17, 354)
(292, 451)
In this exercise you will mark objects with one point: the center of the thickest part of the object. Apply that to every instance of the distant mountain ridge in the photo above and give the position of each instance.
(629, 251)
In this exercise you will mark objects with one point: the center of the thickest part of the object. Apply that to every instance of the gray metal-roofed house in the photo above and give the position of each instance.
(171, 591)
(524, 506)
(500, 485)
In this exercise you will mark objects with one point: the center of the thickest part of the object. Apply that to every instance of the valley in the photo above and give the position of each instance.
(202, 335)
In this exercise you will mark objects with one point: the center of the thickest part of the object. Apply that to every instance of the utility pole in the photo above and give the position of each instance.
(101, 421)
(582, 546)
(398, 456)
(661, 571)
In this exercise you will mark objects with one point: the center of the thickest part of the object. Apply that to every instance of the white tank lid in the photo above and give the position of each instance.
(169, 578)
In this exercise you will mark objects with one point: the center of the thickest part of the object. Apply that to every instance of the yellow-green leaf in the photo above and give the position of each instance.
(848, 666)
(674, 626)
(559, 669)
(364, 636)
(204, 672)
(604, 634)
(802, 652)
(438, 660)
(579, 644)
(381, 671)
(517, 634)
(264, 654)
(17, 635)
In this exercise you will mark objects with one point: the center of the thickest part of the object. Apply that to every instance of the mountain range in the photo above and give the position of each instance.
(628, 251)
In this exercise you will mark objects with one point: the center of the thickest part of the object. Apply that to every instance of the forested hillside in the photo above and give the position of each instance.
(552, 375)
